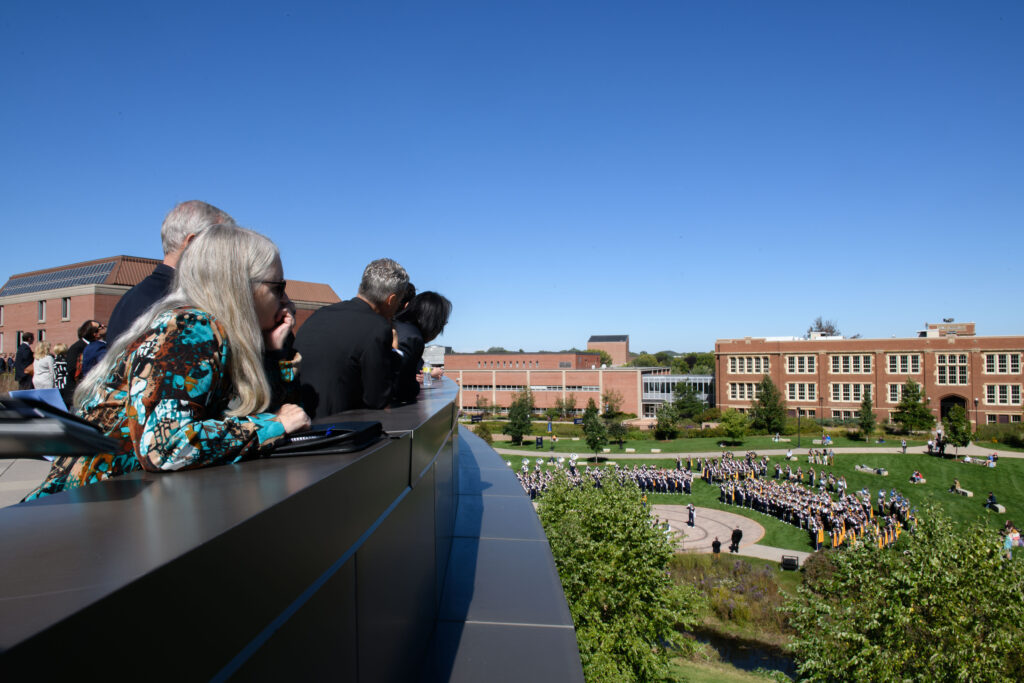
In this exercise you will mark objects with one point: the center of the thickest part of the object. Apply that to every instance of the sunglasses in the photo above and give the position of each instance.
(276, 287)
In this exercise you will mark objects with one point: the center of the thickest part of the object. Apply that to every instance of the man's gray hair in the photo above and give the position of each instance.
(187, 218)
(381, 279)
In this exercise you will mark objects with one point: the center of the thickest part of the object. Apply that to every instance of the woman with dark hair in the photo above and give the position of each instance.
(421, 322)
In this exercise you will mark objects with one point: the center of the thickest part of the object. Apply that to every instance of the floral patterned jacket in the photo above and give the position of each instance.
(164, 401)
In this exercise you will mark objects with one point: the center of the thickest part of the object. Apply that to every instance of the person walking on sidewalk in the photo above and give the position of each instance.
(737, 536)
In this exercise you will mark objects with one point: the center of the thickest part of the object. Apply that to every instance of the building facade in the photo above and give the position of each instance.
(828, 377)
(52, 303)
(493, 380)
(615, 345)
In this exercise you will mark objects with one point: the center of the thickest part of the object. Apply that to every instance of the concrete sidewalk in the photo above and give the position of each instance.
(18, 477)
(711, 523)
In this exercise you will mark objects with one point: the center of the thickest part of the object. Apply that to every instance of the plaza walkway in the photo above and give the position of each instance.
(711, 523)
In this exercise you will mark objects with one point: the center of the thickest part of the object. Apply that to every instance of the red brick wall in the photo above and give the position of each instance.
(619, 351)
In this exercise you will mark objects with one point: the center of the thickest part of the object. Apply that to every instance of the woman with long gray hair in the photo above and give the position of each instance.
(186, 386)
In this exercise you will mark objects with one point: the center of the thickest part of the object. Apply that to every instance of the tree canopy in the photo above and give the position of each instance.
(827, 328)
(519, 411)
(733, 424)
(666, 427)
(594, 431)
(866, 417)
(912, 411)
(687, 405)
(767, 413)
(957, 427)
(612, 561)
(942, 605)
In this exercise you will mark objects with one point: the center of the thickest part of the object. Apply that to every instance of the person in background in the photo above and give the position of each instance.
(60, 366)
(185, 385)
(42, 367)
(348, 347)
(420, 323)
(181, 225)
(95, 351)
(23, 361)
(86, 333)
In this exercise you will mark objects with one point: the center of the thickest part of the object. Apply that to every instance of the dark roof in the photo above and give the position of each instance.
(609, 338)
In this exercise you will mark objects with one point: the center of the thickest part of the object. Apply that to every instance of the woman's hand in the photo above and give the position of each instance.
(293, 418)
(275, 337)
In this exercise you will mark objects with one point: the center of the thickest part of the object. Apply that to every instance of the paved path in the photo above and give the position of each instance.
(18, 477)
(711, 523)
(971, 450)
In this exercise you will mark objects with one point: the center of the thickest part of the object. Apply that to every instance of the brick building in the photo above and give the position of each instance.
(53, 302)
(828, 376)
(493, 379)
(616, 345)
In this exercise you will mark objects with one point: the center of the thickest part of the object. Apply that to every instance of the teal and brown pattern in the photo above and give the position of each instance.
(165, 400)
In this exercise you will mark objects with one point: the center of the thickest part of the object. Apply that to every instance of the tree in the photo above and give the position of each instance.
(498, 349)
(823, 327)
(733, 424)
(644, 360)
(519, 416)
(943, 605)
(912, 413)
(617, 432)
(612, 562)
(483, 405)
(566, 406)
(483, 430)
(687, 405)
(958, 428)
(767, 413)
(606, 358)
(594, 431)
(866, 418)
(666, 428)
(612, 401)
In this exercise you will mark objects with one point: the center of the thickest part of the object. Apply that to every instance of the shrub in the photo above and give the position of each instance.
(484, 432)
(1009, 434)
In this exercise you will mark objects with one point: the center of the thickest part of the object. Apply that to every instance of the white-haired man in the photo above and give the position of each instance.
(348, 359)
(182, 224)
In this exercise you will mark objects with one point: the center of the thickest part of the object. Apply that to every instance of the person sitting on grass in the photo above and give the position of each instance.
(955, 488)
(991, 502)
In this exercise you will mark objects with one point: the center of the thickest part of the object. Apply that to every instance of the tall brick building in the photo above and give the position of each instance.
(829, 376)
(615, 345)
(53, 302)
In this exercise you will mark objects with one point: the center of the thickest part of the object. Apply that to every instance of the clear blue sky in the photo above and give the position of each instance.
(675, 171)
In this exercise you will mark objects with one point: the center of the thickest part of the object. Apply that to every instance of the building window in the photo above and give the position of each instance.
(1002, 363)
(748, 365)
(800, 365)
(40, 335)
(564, 364)
(743, 391)
(1002, 394)
(904, 364)
(895, 393)
(951, 368)
(845, 392)
(65, 308)
(802, 391)
(858, 364)
(1, 315)
(42, 311)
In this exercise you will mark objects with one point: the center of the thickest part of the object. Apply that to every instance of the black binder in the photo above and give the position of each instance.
(329, 439)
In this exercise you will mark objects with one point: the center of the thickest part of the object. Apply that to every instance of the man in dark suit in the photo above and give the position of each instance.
(348, 356)
(23, 361)
(180, 227)
(86, 333)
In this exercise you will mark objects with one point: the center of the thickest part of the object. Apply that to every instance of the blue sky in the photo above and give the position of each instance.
(675, 171)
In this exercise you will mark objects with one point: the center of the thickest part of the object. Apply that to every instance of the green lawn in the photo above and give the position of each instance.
(1006, 480)
(703, 445)
(711, 672)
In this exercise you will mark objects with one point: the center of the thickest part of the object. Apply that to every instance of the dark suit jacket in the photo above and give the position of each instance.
(347, 359)
(139, 298)
(410, 343)
(74, 354)
(22, 359)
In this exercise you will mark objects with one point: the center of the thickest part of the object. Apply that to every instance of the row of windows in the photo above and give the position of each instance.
(1002, 419)
(1002, 363)
(952, 367)
(581, 387)
(65, 310)
(740, 391)
(508, 364)
(848, 364)
(533, 387)
(800, 364)
(497, 387)
(1002, 394)
(802, 391)
(748, 364)
(850, 392)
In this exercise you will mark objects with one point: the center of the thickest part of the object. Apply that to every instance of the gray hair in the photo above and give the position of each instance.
(219, 277)
(381, 279)
(191, 217)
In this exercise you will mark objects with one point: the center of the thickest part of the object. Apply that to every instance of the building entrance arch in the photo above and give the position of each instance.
(950, 401)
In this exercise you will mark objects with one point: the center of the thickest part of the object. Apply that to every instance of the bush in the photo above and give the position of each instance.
(484, 432)
(1009, 434)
